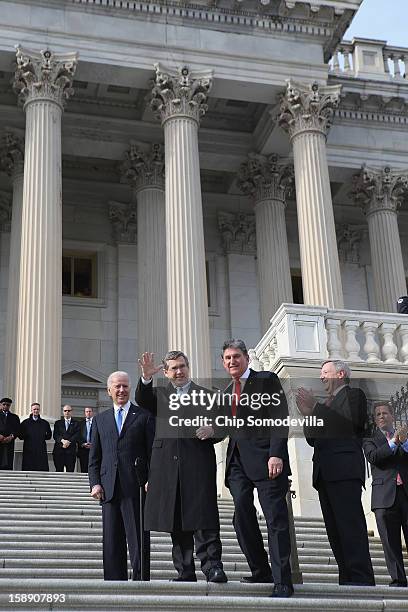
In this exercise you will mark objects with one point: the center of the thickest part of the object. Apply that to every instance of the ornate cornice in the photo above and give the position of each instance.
(349, 239)
(380, 189)
(180, 93)
(5, 211)
(123, 218)
(265, 178)
(12, 152)
(44, 75)
(143, 169)
(238, 232)
(308, 108)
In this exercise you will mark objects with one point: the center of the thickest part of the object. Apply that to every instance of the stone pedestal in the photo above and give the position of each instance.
(179, 99)
(306, 111)
(380, 193)
(44, 82)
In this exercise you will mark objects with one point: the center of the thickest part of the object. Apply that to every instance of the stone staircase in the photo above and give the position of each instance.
(50, 550)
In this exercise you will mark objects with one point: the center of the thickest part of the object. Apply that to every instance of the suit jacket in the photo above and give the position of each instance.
(255, 451)
(82, 435)
(71, 434)
(338, 445)
(112, 455)
(385, 465)
(182, 463)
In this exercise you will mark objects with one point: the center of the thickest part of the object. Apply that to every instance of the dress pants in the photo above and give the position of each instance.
(207, 542)
(389, 523)
(121, 523)
(83, 455)
(272, 497)
(346, 528)
(64, 459)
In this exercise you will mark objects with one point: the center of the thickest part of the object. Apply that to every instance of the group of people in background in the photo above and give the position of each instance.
(72, 439)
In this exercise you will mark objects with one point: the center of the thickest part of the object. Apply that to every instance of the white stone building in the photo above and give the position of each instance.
(148, 151)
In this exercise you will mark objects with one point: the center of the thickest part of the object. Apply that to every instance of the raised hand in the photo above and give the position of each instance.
(146, 363)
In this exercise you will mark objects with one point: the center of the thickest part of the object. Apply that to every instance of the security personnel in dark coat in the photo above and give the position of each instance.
(387, 452)
(84, 440)
(339, 469)
(9, 430)
(66, 434)
(35, 431)
(182, 492)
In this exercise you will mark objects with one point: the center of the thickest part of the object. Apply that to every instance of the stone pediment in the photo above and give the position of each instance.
(77, 374)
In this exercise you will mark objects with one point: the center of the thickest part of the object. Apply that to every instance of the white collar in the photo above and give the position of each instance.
(125, 407)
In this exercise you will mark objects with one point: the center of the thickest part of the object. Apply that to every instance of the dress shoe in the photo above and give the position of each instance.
(395, 583)
(256, 579)
(282, 590)
(184, 579)
(216, 574)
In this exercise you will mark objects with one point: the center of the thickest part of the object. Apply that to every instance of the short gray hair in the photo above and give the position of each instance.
(170, 355)
(340, 366)
(234, 343)
(114, 374)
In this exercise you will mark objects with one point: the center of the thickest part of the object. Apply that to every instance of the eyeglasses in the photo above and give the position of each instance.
(67, 410)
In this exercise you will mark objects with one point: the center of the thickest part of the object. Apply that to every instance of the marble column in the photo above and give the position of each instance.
(380, 192)
(5, 227)
(306, 112)
(144, 171)
(179, 100)
(12, 161)
(43, 81)
(268, 181)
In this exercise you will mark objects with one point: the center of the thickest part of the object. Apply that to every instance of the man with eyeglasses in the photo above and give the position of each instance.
(66, 434)
(9, 430)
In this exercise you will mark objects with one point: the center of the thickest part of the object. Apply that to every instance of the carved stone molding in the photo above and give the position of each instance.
(180, 93)
(380, 189)
(5, 211)
(238, 232)
(44, 75)
(265, 178)
(308, 107)
(123, 218)
(12, 152)
(143, 169)
(349, 239)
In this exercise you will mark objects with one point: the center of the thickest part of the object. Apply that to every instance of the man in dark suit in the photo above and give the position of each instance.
(339, 469)
(9, 430)
(66, 434)
(387, 451)
(260, 461)
(182, 490)
(35, 431)
(84, 440)
(118, 463)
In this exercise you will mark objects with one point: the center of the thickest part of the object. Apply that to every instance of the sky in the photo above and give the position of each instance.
(382, 19)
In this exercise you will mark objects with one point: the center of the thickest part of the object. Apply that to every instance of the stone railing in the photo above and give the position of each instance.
(371, 59)
(313, 334)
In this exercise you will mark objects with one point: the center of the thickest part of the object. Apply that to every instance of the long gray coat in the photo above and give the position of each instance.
(187, 463)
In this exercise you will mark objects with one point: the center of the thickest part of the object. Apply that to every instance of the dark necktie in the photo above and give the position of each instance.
(235, 396)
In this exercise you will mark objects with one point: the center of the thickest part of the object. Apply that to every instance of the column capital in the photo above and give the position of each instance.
(12, 152)
(142, 169)
(180, 93)
(265, 177)
(238, 232)
(5, 211)
(377, 189)
(349, 238)
(308, 107)
(123, 217)
(44, 75)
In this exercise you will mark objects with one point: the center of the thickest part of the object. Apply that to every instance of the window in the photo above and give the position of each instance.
(79, 274)
(297, 287)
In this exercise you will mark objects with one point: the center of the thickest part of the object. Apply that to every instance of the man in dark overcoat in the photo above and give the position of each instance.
(9, 430)
(182, 492)
(35, 431)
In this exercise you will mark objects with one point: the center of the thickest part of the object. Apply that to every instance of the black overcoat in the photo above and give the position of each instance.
(187, 463)
(35, 433)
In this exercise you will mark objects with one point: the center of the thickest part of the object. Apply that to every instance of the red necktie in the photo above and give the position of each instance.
(399, 479)
(235, 396)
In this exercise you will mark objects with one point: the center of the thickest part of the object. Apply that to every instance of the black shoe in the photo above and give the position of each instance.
(184, 579)
(256, 579)
(282, 590)
(395, 583)
(216, 574)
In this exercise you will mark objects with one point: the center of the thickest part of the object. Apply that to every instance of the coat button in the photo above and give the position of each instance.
(175, 457)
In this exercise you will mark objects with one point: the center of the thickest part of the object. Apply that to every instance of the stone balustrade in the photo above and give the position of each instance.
(370, 58)
(312, 334)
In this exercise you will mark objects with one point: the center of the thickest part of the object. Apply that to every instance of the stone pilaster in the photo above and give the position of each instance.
(12, 161)
(306, 112)
(43, 81)
(179, 100)
(144, 171)
(379, 191)
(267, 181)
